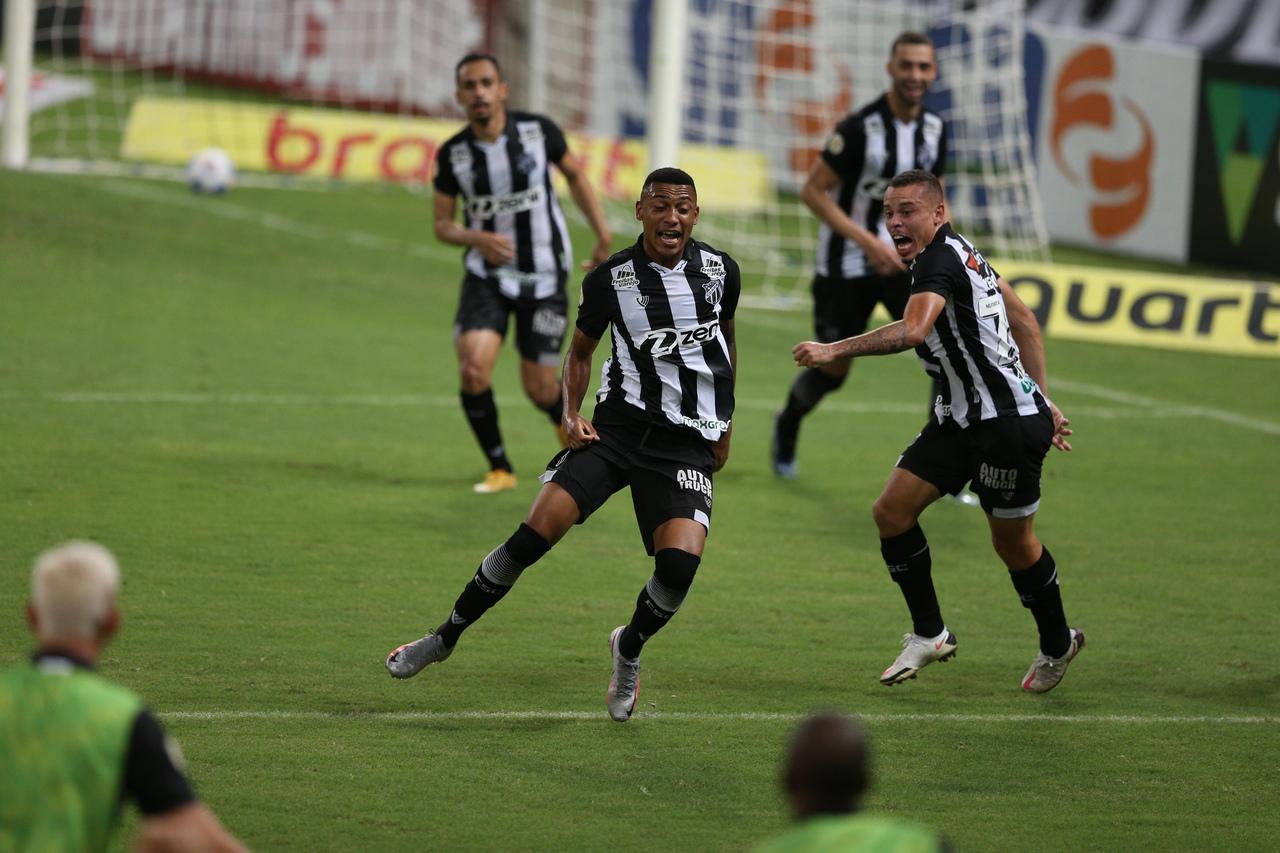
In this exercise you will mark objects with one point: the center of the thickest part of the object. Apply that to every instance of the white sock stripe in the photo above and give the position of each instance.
(711, 716)
(666, 597)
(500, 568)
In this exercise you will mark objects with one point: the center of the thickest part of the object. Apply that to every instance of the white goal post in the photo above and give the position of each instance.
(742, 93)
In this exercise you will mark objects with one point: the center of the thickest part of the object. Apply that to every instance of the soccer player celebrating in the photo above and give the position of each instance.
(856, 266)
(661, 426)
(518, 253)
(993, 424)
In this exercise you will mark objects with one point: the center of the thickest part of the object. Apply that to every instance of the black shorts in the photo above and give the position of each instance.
(842, 306)
(1002, 457)
(668, 471)
(540, 323)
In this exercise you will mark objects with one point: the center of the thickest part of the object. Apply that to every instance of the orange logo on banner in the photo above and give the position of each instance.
(1081, 99)
(784, 51)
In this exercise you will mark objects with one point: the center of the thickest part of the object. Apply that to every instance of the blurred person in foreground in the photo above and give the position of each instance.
(517, 255)
(991, 427)
(827, 773)
(74, 747)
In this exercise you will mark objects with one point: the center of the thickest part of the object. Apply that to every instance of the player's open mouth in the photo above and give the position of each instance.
(670, 238)
(902, 243)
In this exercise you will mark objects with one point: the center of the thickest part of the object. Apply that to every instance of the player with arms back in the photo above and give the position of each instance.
(993, 425)
(856, 266)
(518, 252)
(661, 427)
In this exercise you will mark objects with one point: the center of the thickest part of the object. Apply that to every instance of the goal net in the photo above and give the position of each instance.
(772, 78)
(362, 90)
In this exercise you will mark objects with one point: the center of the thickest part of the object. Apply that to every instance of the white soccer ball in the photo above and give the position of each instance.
(211, 171)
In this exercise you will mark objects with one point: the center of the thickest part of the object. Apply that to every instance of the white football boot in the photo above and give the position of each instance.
(1046, 672)
(412, 658)
(624, 684)
(917, 653)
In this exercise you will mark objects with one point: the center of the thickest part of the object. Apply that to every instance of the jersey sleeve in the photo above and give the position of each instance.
(844, 149)
(557, 147)
(595, 309)
(445, 181)
(936, 271)
(732, 288)
(151, 775)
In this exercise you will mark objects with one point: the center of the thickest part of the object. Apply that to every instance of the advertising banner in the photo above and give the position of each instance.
(1115, 124)
(358, 146)
(384, 53)
(1236, 212)
(1148, 309)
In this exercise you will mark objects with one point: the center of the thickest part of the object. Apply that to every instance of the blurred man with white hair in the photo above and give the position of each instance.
(73, 746)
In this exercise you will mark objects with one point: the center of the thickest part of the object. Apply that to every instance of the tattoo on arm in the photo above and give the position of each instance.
(885, 340)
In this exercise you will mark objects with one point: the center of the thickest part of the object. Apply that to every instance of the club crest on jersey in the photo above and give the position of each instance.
(526, 164)
(624, 276)
(460, 158)
(713, 269)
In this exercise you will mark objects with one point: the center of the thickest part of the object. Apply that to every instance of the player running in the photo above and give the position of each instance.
(992, 425)
(661, 427)
(856, 266)
(518, 253)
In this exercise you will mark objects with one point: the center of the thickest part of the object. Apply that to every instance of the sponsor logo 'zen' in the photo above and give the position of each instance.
(659, 342)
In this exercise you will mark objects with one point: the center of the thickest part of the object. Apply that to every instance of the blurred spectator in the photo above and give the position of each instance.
(73, 746)
(826, 775)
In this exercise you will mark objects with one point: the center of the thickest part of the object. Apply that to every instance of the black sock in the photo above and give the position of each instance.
(673, 572)
(498, 572)
(482, 414)
(556, 410)
(910, 566)
(1037, 587)
(808, 389)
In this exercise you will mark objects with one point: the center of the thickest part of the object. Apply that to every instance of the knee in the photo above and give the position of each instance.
(1018, 551)
(474, 377)
(890, 520)
(675, 569)
(836, 372)
(541, 390)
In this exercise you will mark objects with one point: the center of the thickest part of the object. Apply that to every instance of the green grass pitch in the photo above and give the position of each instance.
(252, 400)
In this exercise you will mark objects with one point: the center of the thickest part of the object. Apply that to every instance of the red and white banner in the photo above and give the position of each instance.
(396, 54)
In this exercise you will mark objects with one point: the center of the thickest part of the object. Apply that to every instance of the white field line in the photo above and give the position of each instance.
(1152, 404)
(1130, 407)
(714, 716)
(225, 209)
(230, 210)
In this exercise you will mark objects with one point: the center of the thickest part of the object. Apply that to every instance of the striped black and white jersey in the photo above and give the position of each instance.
(670, 362)
(970, 345)
(506, 188)
(866, 150)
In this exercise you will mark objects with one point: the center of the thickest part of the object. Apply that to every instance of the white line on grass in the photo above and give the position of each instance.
(362, 239)
(714, 716)
(1131, 406)
(225, 209)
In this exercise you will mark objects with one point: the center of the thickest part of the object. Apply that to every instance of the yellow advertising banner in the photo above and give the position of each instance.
(358, 146)
(1149, 309)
